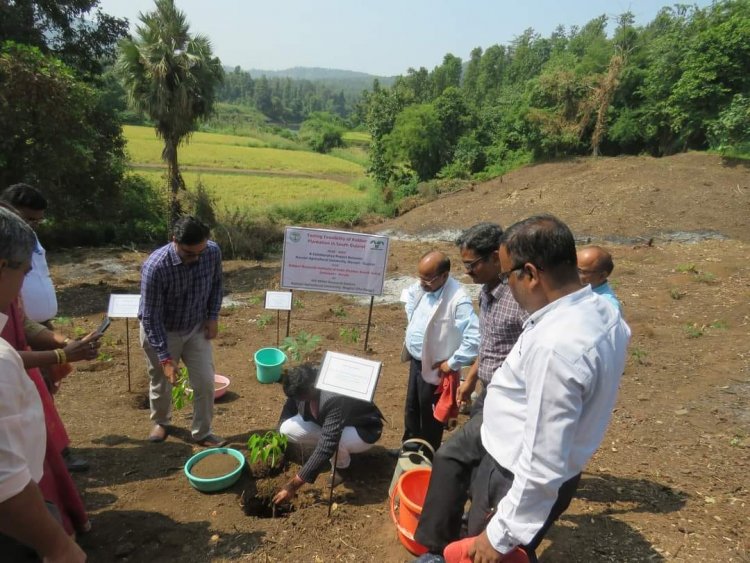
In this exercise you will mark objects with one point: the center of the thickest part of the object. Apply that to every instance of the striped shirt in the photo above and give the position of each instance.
(175, 297)
(501, 323)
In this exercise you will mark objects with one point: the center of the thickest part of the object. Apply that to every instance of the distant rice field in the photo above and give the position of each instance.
(357, 136)
(258, 193)
(241, 153)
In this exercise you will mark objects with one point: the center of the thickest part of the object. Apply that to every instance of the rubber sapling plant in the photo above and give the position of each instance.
(181, 391)
(269, 448)
(300, 347)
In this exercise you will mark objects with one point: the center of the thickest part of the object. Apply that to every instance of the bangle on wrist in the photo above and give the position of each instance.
(66, 342)
(61, 357)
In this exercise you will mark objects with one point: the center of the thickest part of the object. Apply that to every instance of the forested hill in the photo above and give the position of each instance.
(324, 75)
(293, 94)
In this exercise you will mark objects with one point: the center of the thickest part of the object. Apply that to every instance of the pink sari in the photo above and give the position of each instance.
(56, 485)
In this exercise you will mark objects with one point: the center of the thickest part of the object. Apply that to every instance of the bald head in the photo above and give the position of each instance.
(433, 270)
(594, 265)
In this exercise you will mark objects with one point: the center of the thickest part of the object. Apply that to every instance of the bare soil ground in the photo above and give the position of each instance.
(669, 483)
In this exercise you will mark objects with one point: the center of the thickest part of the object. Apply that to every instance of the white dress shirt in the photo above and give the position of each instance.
(22, 433)
(548, 407)
(38, 291)
(421, 308)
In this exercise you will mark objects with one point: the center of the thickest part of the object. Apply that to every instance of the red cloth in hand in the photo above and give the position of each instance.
(447, 407)
(458, 552)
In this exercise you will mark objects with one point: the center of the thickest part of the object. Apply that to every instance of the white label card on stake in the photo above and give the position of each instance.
(349, 375)
(123, 306)
(279, 300)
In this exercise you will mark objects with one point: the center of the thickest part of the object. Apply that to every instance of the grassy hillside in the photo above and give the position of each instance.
(218, 151)
(244, 173)
(261, 193)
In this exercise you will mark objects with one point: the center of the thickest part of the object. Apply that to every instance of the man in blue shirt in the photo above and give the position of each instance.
(594, 267)
(181, 291)
(442, 336)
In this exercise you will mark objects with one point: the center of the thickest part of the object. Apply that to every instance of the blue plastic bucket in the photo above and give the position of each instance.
(268, 362)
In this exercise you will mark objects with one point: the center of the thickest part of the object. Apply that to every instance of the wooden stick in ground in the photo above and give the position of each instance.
(333, 479)
(127, 345)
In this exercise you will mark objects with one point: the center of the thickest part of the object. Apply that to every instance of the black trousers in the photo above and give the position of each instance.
(478, 405)
(451, 481)
(419, 420)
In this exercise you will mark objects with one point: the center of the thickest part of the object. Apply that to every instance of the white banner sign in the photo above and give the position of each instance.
(349, 375)
(123, 306)
(334, 261)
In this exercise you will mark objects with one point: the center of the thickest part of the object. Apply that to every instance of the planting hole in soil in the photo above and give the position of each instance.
(215, 465)
(261, 506)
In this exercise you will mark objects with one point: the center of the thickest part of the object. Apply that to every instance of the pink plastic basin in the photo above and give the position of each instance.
(221, 383)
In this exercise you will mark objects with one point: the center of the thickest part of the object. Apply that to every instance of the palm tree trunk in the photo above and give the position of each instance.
(175, 180)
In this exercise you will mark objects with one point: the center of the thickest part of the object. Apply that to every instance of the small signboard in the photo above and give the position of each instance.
(349, 375)
(334, 261)
(279, 300)
(123, 306)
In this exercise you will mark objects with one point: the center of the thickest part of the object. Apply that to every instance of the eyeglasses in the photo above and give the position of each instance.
(189, 254)
(471, 265)
(505, 276)
(432, 279)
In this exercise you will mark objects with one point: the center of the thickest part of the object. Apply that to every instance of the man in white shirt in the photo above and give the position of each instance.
(442, 336)
(546, 410)
(24, 518)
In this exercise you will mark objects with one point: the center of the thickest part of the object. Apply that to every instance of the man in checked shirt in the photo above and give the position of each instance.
(181, 291)
(500, 317)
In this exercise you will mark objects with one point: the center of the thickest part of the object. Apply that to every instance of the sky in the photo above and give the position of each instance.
(381, 37)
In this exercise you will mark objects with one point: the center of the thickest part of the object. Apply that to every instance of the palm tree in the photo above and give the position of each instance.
(171, 77)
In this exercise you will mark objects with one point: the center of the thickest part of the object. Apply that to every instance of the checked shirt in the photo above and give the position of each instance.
(501, 323)
(175, 297)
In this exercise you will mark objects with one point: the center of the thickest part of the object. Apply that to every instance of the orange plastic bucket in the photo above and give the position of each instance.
(410, 491)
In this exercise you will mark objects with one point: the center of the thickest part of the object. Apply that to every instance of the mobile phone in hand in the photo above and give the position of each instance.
(103, 326)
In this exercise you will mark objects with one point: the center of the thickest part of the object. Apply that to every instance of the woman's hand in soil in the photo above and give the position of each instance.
(287, 492)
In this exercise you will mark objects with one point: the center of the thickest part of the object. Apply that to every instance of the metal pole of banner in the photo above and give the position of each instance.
(278, 328)
(289, 316)
(369, 318)
(127, 345)
(333, 479)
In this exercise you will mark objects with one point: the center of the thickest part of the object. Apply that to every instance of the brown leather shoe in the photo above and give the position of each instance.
(212, 441)
(158, 433)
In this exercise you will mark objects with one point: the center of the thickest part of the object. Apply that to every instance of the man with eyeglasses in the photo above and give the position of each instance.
(500, 317)
(594, 267)
(181, 292)
(546, 410)
(442, 336)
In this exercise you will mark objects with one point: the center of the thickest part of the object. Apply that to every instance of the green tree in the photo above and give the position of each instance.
(731, 131)
(66, 29)
(322, 131)
(446, 75)
(55, 134)
(171, 76)
(416, 141)
(383, 107)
